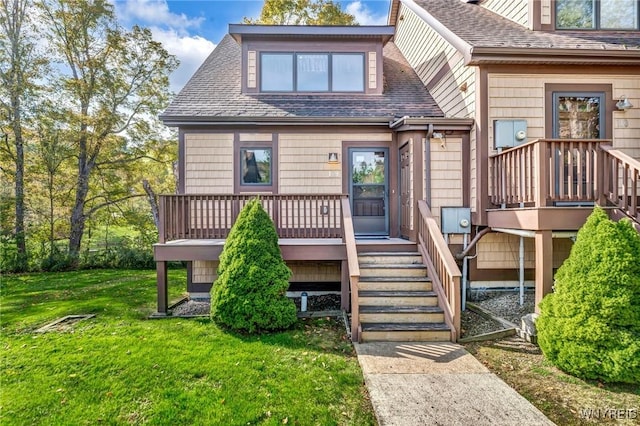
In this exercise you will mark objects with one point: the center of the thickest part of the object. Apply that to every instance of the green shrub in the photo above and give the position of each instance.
(249, 293)
(590, 325)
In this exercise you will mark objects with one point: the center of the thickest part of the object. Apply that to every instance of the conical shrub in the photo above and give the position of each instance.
(590, 325)
(249, 293)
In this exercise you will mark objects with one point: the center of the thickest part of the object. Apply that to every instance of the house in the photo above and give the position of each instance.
(484, 131)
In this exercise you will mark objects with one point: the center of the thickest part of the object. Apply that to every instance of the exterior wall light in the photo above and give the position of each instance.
(333, 157)
(623, 103)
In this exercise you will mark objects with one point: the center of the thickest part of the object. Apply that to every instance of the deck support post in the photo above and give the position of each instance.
(163, 288)
(544, 265)
(345, 301)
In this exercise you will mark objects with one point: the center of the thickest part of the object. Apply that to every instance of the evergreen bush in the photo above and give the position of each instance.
(590, 325)
(249, 293)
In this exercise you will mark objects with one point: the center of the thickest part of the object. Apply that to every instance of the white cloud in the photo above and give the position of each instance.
(364, 15)
(154, 12)
(190, 50)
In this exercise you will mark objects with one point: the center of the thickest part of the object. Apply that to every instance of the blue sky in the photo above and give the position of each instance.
(190, 29)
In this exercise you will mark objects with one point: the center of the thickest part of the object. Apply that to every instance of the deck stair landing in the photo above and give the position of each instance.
(396, 299)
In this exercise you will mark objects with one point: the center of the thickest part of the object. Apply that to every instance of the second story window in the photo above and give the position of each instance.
(597, 14)
(312, 72)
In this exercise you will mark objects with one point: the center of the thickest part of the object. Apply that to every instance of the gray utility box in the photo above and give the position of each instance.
(455, 220)
(509, 133)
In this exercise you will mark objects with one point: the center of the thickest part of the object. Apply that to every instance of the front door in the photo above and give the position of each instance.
(368, 190)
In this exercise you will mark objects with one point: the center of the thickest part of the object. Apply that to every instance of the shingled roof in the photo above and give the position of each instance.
(213, 95)
(484, 36)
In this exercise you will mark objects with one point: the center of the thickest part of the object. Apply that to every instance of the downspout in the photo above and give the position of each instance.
(465, 271)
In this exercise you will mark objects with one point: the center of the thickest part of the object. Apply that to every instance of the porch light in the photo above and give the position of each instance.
(623, 103)
(333, 157)
(440, 137)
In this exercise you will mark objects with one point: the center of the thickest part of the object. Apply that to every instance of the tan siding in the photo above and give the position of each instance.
(208, 163)
(514, 10)
(545, 12)
(204, 271)
(303, 161)
(518, 96)
(446, 175)
(251, 69)
(373, 70)
(437, 63)
(255, 137)
(501, 251)
(473, 185)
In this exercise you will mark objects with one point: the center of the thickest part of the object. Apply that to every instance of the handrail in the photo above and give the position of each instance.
(443, 270)
(622, 182)
(354, 268)
(211, 216)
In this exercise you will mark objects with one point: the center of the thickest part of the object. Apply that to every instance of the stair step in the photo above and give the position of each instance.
(401, 314)
(395, 283)
(395, 293)
(406, 332)
(393, 270)
(397, 298)
(396, 326)
(395, 279)
(405, 258)
(399, 309)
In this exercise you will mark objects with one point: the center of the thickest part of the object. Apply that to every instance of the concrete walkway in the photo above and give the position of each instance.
(438, 384)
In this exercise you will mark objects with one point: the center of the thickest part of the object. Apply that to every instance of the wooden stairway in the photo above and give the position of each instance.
(396, 299)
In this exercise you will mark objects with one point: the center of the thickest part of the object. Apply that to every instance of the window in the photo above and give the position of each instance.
(277, 72)
(255, 166)
(578, 115)
(312, 72)
(347, 73)
(597, 14)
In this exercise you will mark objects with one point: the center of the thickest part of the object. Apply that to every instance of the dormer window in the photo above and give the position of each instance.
(597, 14)
(311, 72)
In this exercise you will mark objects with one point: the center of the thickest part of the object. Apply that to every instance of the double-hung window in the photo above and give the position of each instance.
(597, 14)
(311, 72)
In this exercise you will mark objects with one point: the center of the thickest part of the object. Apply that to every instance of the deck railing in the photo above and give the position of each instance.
(553, 172)
(621, 186)
(443, 270)
(211, 216)
(547, 171)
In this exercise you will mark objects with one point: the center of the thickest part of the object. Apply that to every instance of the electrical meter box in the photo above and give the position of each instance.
(455, 220)
(509, 133)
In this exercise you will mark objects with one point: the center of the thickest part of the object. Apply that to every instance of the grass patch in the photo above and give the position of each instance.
(120, 368)
(565, 399)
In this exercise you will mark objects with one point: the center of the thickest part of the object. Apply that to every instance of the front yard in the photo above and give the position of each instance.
(121, 368)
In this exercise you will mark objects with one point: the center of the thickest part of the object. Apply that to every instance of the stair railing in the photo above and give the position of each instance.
(353, 266)
(621, 186)
(443, 270)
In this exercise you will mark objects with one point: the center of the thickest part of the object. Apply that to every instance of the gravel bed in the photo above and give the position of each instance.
(507, 305)
(502, 304)
(325, 302)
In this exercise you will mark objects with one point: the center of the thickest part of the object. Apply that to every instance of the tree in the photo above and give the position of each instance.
(302, 12)
(111, 80)
(590, 325)
(249, 293)
(19, 67)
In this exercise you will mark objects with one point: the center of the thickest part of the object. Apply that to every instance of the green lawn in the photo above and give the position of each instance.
(121, 368)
